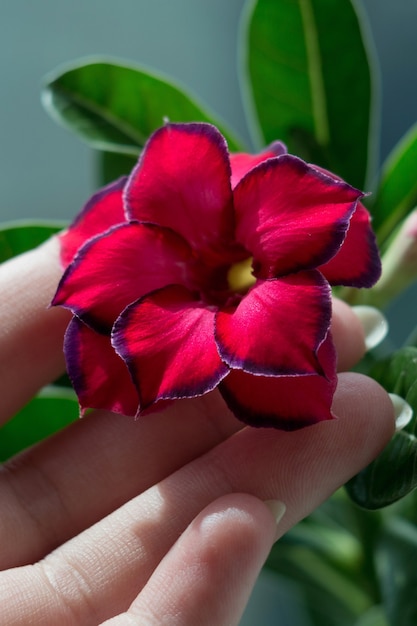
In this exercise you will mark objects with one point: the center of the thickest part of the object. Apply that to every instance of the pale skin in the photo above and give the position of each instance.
(162, 520)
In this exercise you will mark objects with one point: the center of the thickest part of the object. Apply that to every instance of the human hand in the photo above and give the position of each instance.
(162, 520)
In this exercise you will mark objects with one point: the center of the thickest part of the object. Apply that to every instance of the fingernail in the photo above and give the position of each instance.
(374, 324)
(403, 411)
(277, 509)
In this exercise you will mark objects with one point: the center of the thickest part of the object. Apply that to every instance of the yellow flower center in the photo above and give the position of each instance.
(240, 277)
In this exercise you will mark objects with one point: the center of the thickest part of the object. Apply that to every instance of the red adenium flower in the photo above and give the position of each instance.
(149, 278)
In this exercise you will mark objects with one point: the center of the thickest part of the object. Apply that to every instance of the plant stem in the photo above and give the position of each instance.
(368, 524)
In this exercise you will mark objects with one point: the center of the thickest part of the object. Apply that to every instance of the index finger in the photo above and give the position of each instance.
(300, 468)
(31, 334)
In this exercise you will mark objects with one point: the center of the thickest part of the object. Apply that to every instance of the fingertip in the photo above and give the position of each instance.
(277, 509)
(402, 410)
(209, 573)
(374, 324)
(348, 335)
(356, 330)
(243, 518)
(367, 412)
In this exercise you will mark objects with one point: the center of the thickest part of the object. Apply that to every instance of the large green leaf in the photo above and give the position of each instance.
(374, 617)
(310, 81)
(115, 107)
(396, 565)
(393, 474)
(112, 165)
(324, 556)
(397, 192)
(45, 414)
(19, 237)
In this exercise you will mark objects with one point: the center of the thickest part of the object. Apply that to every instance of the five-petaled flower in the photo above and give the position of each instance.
(156, 314)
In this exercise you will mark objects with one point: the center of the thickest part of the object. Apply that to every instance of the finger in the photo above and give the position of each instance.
(348, 336)
(319, 460)
(56, 489)
(53, 504)
(208, 575)
(30, 333)
(301, 468)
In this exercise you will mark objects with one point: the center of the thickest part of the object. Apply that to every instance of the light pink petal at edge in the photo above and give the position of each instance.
(100, 377)
(182, 181)
(102, 211)
(277, 327)
(242, 162)
(290, 216)
(167, 340)
(284, 402)
(357, 264)
(115, 269)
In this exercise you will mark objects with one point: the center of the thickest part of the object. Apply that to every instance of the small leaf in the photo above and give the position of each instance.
(398, 372)
(19, 237)
(396, 566)
(397, 192)
(48, 412)
(393, 474)
(310, 82)
(115, 107)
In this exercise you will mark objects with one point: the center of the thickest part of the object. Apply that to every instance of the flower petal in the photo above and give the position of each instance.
(285, 402)
(290, 216)
(277, 327)
(117, 268)
(182, 181)
(99, 376)
(241, 162)
(357, 264)
(167, 340)
(102, 211)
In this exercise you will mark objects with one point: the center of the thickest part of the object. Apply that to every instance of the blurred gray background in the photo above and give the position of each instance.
(48, 173)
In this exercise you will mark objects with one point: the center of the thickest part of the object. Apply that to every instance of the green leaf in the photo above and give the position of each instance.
(397, 192)
(411, 340)
(374, 617)
(330, 596)
(396, 565)
(115, 107)
(310, 82)
(112, 165)
(398, 372)
(44, 415)
(19, 237)
(393, 474)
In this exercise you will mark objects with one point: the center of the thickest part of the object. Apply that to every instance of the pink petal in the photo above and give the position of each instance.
(242, 163)
(357, 263)
(182, 181)
(285, 402)
(99, 376)
(117, 268)
(167, 340)
(277, 327)
(290, 216)
(102, 211)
